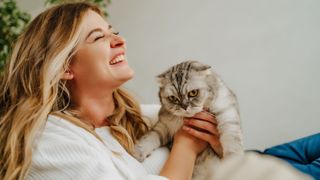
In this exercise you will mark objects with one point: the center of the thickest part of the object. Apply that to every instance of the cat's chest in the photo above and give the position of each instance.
(175, 123)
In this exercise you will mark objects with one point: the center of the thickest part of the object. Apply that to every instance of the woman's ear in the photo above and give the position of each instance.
(67, 75)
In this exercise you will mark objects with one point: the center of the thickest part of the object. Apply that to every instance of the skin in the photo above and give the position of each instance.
(204, 126)
(93, 79)
(196, 134)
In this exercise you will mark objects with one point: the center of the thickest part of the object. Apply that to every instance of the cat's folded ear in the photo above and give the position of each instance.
(161, 77)
(200, 67)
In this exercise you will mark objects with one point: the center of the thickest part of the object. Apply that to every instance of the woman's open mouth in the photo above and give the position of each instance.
(117, 60)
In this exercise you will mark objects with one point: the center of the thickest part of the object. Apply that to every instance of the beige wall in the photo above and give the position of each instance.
(267, 51)
(32, 6)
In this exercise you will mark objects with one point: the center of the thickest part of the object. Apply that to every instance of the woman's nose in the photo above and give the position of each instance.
(117, 41)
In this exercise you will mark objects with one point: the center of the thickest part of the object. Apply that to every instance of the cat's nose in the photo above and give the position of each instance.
(184, 106)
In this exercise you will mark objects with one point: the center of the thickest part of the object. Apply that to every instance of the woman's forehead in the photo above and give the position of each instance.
(93, 20)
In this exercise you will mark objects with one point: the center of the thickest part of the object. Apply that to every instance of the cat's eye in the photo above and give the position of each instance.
(173, 99)
(193, 93)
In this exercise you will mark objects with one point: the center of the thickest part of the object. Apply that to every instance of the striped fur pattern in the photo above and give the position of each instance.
(212, 94)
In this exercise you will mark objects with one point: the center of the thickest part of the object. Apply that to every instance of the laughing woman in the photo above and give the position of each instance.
(63, 112)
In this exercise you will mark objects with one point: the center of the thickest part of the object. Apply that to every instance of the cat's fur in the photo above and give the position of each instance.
(212, 95)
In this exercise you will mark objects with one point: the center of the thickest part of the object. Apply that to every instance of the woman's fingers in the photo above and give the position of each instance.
(204, 115)
(198, 134)
(204, 121)
(213, 140)
(202, 125)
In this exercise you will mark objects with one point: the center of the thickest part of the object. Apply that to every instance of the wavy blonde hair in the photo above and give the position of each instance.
(31, 89)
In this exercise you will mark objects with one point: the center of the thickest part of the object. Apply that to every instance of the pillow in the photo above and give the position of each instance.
(150, 113)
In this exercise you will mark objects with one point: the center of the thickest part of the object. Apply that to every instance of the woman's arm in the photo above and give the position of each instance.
(180, 163)
(196, 134)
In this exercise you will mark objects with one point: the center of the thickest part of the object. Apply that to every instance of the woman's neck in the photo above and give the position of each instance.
(95, 107)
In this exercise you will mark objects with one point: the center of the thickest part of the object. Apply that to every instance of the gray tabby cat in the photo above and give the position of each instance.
(186, 89)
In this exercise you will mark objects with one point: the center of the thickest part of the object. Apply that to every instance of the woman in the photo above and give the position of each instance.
(63, 112)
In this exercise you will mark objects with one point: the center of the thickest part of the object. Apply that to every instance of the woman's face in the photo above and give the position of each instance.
(100, 61)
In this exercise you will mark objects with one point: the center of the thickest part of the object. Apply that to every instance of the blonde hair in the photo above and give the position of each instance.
(32, 89)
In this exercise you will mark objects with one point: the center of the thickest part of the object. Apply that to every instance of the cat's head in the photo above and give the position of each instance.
(184, 88)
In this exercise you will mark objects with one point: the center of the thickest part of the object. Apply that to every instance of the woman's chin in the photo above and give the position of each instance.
(123, 74)
(128, 74)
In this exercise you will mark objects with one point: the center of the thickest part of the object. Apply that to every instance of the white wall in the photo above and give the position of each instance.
(267, 51)
(32, 6)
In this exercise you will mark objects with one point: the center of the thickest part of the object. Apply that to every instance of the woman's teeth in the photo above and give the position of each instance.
(117, 59)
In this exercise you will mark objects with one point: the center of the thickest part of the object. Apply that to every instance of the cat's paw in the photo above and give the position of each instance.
(140, 153)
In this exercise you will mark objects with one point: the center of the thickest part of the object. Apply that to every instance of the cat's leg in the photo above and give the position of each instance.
(157, 137)
(226, 110)
(230, 132)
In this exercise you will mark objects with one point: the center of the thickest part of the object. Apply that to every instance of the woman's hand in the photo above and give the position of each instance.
(188, 142)
(195, 135)
(203, 125)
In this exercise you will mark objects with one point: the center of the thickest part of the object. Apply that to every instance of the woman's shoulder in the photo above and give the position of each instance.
(60, 128)
(61, 136)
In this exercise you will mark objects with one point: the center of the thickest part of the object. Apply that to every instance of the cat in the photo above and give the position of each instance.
(186, 89)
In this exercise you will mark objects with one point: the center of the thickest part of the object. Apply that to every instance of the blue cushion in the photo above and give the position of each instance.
(303, 154)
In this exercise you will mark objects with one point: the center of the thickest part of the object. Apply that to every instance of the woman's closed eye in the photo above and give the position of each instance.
(99, 37)
(98, 34)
